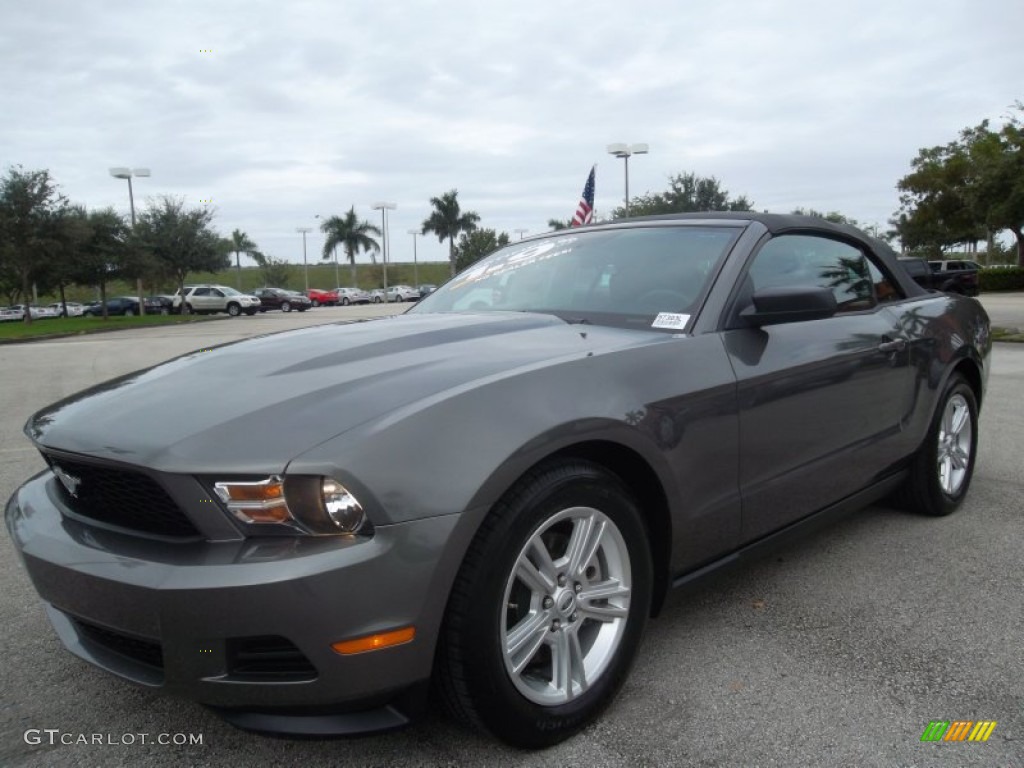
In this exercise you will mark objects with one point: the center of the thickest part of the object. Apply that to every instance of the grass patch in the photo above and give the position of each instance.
(1008, 334)
(67, 326)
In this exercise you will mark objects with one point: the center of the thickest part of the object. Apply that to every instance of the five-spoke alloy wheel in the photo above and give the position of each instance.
(549, 606)
(940, 473)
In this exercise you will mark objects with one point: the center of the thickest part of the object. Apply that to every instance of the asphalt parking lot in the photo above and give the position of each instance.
(834, 651)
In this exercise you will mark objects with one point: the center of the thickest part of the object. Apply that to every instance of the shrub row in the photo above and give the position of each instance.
(1001, 279)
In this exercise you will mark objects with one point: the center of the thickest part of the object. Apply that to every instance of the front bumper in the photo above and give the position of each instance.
(244, 626)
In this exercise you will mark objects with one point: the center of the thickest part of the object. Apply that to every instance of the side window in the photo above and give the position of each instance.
(886, 290)
(810, 260)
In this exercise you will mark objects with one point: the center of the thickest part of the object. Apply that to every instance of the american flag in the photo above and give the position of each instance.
(585, 210)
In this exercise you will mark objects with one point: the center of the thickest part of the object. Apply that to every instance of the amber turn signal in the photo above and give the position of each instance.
(375, 642)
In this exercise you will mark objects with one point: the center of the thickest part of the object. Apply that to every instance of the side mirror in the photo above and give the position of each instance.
(789, 304)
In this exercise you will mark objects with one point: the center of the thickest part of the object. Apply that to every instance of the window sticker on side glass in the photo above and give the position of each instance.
(670, 320)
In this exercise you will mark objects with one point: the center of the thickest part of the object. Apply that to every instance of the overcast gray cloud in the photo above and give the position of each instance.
(309, 107)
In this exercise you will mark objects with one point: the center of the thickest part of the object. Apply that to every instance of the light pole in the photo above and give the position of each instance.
(384, 208)
(415, 261)
(337, 279)
(127, 173)
(520, 232)
(305, 264)
(625, 151)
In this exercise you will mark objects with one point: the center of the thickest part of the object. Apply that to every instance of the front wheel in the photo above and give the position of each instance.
(549, 606)
(941, 472)
(316, 302)
(286, 306)
(234, 309)
(344, 301)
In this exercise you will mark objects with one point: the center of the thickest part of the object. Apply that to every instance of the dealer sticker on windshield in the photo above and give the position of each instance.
(670, 320)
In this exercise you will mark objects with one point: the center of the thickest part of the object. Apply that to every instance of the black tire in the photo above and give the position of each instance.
(129, 313)
(934, 489)
(302, 309)
(286, 306)
(234, 309)
(489, 604)
(251, 312)
(188, 309)
(376, 300)
(316, 302)
(344, 301)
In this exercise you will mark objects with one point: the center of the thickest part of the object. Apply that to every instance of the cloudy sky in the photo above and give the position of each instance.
(281, 111)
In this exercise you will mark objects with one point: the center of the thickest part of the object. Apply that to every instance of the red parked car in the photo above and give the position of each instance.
(319, 296)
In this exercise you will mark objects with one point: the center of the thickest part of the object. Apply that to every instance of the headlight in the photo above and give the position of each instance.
(306, 504)
(341, 506)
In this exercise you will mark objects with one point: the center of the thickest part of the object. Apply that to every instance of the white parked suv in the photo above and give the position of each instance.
(215, 298)
(402, 293)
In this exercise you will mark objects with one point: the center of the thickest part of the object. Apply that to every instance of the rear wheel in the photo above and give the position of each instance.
(548, 608)
(286, 306)
(316, 302)
(344, 301)
(941, 472)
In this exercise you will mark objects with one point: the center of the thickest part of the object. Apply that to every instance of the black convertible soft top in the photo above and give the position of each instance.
(779, 223)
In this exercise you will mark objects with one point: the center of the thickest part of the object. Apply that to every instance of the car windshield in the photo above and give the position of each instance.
(229, 291)
(626, 277)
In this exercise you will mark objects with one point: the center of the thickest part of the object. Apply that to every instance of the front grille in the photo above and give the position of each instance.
(269, 657)
(120, 497)
(143, 651)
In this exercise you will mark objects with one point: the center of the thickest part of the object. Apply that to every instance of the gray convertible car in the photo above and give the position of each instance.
(488, 496)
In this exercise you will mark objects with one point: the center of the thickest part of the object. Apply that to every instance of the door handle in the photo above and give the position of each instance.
(896, 345)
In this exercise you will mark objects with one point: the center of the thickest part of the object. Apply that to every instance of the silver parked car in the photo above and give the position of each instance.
(214, 298)
(348, 296)
(402, 293)
(495, 490)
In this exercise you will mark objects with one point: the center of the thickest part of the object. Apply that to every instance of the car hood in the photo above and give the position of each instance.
(253, 405)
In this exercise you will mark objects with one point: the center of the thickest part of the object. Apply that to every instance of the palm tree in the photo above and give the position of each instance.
(351, 234)
(240, 243)
(447, 221)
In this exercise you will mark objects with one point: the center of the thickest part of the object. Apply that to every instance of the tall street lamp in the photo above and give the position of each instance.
(415, 262)
(127, 173)
(305, 264)
(384, 208)
(520, 232)
(625, 151)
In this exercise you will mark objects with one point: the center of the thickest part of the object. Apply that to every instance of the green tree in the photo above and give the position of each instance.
(686, 193)
(448, 221)
(995, 178)
(69, 232)
(473, 246)
(352, 235)
(558, 224)
(833, 216)
(104, 252)
(276, 272)
(30, 208)
(240, 243)
(935, 211)
(181, 240)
